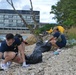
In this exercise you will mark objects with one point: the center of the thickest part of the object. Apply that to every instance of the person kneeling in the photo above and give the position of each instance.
(58, 40)
(9, 51)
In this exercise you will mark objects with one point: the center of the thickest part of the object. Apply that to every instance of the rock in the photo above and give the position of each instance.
(31, 39)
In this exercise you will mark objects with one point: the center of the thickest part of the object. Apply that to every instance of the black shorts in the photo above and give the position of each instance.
(60, 44)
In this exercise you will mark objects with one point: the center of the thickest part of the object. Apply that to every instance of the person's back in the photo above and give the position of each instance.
(61, 40)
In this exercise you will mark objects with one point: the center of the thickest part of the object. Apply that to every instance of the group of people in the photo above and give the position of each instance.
(12, 49)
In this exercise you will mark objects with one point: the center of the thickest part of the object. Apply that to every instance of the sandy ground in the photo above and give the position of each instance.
(62, 64)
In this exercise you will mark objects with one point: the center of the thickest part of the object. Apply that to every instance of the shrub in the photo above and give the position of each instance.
(71, 33)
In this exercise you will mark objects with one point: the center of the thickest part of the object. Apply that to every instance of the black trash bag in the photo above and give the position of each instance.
(43, 46)
(36, 56)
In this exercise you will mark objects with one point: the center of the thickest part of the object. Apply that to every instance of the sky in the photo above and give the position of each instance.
(44, 6)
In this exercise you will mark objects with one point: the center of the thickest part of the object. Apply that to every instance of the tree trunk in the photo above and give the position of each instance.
(30, 28)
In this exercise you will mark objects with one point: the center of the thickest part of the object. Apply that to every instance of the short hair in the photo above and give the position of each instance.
(9, 36)
(55, 28)
(18, 35)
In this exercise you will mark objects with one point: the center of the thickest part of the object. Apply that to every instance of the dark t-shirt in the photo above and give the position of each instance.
(61, 43)
(14, 47)
(56, 34)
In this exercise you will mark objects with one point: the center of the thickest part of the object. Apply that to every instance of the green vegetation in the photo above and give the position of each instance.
(71, 33)
(65, 12)
(44, 28)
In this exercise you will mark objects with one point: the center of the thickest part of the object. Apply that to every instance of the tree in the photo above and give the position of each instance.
(33, 16)
(65, 12)
(25, 23)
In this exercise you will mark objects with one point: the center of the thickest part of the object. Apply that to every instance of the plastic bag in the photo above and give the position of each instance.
(36, 56)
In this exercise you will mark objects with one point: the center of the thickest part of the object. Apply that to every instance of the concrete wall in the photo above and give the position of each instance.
(14, 31)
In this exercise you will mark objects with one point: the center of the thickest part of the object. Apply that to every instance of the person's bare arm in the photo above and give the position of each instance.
(52, 38)
(20, 48)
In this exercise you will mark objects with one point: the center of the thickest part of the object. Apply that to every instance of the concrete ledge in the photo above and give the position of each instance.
(14, 31)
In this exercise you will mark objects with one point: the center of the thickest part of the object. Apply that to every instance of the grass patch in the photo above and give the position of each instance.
(71, 33)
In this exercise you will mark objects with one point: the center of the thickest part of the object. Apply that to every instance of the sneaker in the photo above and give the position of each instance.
(25, 66)
(59, 50)
(4, 66)
(9, 63)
